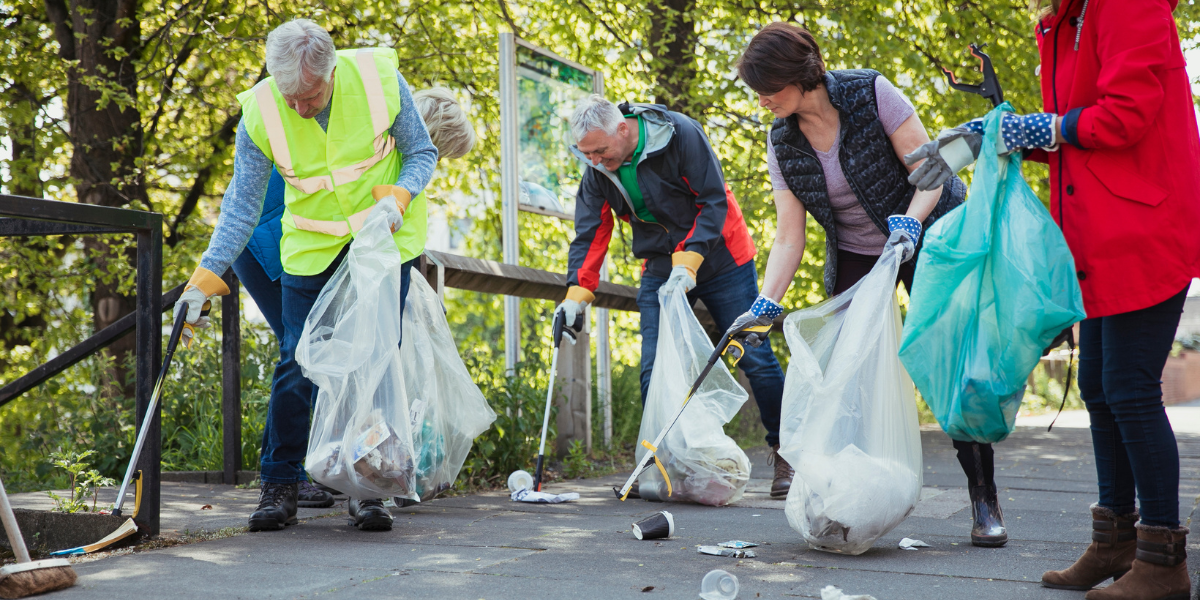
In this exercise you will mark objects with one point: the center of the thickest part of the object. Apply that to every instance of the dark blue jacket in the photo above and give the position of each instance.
(264, 242)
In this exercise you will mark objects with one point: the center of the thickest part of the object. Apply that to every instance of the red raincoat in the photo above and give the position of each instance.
(1126, 188)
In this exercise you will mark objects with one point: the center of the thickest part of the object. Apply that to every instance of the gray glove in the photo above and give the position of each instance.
(951, 151)
(903, 239)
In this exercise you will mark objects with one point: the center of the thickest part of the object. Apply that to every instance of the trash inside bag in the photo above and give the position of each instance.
(849, 425)
(704, 465)
(995, 283)
(361, 436)
(447, 410)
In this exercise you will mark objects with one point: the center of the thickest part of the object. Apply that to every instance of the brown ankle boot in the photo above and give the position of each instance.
(1114, 540)
(1159, 569)
(783, 474)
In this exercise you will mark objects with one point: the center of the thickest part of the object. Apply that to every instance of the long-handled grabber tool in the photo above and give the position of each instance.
(558, 329)
(726, 345)
(129, 528)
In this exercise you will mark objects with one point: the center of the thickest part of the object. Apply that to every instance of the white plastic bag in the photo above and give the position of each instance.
(361, 438)
(849, 424)
(704, 464)
(447, 409)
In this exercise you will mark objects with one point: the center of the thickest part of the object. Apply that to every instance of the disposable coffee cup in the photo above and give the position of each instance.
(520, 480)
(657, 526)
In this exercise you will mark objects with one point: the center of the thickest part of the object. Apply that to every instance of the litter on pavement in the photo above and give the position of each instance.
(719, 551)
(527, 495)
(833, 593)
(737, 544)
(911, 544)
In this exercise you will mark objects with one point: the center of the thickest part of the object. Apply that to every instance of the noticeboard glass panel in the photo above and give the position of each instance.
(547, 92)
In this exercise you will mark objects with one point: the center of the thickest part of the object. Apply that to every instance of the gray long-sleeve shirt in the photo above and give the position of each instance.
(242, 205)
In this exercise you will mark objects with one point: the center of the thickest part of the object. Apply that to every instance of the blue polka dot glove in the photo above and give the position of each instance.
(1018, 132)
(906, 231)
(761, 313)
(907, 223)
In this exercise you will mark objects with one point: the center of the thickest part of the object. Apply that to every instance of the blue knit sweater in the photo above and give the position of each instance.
(243, 202)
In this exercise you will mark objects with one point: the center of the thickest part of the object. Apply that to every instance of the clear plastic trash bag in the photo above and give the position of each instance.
(849, 425)
(361, 439)
(995, 283)
(704, 465)
(448, 411)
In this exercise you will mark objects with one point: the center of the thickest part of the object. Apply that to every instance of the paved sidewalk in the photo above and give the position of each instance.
(484, 546)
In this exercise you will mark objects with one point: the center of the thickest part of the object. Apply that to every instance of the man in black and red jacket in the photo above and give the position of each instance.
(655, 169)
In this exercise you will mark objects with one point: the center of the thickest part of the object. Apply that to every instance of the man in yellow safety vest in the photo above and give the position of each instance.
(341, 128)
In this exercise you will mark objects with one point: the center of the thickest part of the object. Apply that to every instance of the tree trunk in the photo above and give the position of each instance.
(103, 37)
(673, 45)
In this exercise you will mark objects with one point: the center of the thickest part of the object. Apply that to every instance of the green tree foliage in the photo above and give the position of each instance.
(132, 103)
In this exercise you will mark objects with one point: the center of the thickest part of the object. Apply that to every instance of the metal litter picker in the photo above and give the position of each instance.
(727, 344)
(29, 577)
(129, 527)
(558, 329)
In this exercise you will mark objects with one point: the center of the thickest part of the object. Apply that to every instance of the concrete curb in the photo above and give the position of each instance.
(46, 532)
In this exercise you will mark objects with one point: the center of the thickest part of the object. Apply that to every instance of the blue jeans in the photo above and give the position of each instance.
(267, 294)
(285, 438)
(727, 296)
(1121, 360)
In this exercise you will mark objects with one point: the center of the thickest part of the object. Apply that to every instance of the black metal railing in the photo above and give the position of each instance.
(37, 217)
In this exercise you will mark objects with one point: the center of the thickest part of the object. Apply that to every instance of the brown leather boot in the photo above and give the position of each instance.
(1159, 569)
(1114, 540)
(783, 474)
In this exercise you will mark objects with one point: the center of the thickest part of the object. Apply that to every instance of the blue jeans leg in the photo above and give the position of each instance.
(285, 438)
(647, 301)
(727, 297)
(267, 294)
(1121, 360)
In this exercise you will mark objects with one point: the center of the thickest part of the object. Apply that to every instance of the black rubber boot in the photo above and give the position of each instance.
(276, 507)
(988, 530)
(310, 496)
(370, 515)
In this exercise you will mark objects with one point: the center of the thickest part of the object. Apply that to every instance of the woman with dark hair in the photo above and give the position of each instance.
(1125, 189)
(835, 151)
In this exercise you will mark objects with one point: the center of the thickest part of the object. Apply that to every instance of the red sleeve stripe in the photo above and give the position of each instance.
(737, 236)
(679, 247)
(589, 273)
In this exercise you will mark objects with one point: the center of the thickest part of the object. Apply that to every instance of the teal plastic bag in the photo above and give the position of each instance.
(994, 284)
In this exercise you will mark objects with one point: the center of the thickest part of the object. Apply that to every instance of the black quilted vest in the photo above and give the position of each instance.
(877, 176)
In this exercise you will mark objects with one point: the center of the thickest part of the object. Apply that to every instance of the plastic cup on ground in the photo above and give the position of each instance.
(657, 526)
(719, 585)
(520, 480)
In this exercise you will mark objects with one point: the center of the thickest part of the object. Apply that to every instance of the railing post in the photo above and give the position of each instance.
(231, 379)
(148, 335)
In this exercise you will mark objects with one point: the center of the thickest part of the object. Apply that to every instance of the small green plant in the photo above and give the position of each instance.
(511, 442)
(576, 464)
(84, 481)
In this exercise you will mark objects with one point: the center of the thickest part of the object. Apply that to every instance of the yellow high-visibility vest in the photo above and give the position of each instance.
(329, 174)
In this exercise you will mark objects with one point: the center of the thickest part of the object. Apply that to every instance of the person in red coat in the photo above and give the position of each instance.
(1120, 136)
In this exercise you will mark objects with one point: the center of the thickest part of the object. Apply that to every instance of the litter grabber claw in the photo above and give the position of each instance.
(990, 88)
(191, 330)
(557, 331)
(727, 344)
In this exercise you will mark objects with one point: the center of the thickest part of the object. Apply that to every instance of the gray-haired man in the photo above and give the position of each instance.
(655, 169)
(335, 125)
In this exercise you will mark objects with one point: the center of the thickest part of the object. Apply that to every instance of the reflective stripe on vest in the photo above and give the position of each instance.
(384, 144)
